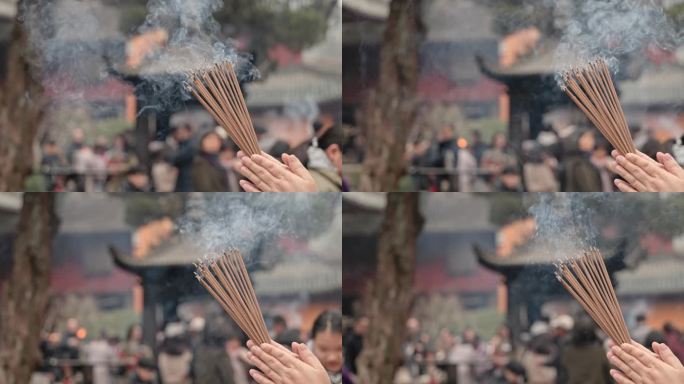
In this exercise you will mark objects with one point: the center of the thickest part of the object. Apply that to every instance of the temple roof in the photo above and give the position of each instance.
(655, 86)
(537, 254)
(296, 82)
(656, 275)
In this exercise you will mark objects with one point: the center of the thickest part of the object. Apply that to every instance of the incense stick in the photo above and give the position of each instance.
(218, 90)
(591, 88)
(227, 280)
(587, 280)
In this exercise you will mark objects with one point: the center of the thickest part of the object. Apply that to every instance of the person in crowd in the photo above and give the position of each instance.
(353, 342)
(498, 157)
(279, 327)
(326, 340)
(509, 181)
(641, 173)
(583, 360)
(229, 161)
(277, 365)
(212, 361)
(601, 159)
(51, 161)
(145, 372)
(477, 146)
(266, 174)
(634, 364)
(133, 350)
(175, 356)
(538, 171)
(238, 358)
(514, 373)
(164, 175)
(641, 329)
(137, 180)
(537, 359)
(673, 338)
(466, 166)
(325, 158)
(101, 356)
(182, 157)
(77, 143)
(98, 165)
(579, 173)
(208, 175)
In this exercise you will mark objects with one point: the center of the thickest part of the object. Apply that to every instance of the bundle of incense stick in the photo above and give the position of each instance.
(587, 280)
(218, 90)
(226, 279)
(591, 88)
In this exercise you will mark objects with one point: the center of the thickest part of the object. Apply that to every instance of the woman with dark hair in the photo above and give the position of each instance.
(208, 175)
(583, 361)
(326, 341)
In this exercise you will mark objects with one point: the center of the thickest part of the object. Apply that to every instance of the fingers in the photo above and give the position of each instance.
(273, 166)
(666, 355)
(638, 168)
(305, 354)
(621, 168)
(266, 371)
(257, 174)
(619, 377)
(623, 187)
(259, 377)
(249, 187)
(628, 364)
(263, 352)
(284, 356)
(670, 164)
(295, 165)
(644, 356)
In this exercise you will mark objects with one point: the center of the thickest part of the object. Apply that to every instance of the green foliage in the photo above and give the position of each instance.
(142, 208)
(514, 15)
(445, 311)
(269, 22)
(505, 207)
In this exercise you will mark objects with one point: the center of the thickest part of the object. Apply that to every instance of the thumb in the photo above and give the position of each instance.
(671, 164)
(306, 355)
(666, 354)
(295, 165)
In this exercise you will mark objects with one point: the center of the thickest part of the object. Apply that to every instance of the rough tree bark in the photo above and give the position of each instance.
(390, 294)
(21, 107)
(392, 106)
(24, 299)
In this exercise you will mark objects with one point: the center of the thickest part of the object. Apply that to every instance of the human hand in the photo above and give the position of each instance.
(277, 365)
(638, 365)
(266, 174)
(643, 174)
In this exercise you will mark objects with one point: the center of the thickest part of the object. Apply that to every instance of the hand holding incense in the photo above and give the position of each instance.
(227, 280)
(586, 279)
(218, 90)
(591, 88)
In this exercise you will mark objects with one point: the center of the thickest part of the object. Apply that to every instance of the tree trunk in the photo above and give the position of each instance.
(392, 107)
(390, 294)
(24, 300)
(21, 107)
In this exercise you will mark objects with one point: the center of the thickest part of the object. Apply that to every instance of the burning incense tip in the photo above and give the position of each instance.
(586, 278)
(218, 90)
(225, 277)
(590, 86)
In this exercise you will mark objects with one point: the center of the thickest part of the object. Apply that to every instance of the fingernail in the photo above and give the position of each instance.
(621, 158)
(614, 349)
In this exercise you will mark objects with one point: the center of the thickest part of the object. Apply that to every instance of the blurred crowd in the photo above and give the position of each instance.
(190, 159)
(561, 350)
(576, 159)
(195, 352)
